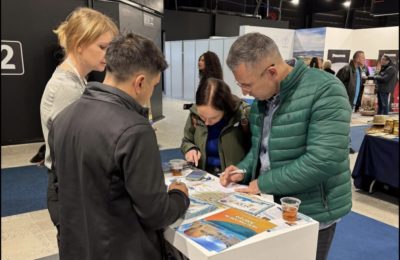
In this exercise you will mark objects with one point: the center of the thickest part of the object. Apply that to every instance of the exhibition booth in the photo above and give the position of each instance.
(336, 44)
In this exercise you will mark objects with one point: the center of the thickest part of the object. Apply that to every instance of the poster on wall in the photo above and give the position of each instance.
(339, 58)
(394, 96)
(309, 43)
(393, 54)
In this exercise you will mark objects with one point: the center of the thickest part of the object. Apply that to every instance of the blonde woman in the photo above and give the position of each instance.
(84, 36)
(327, 66)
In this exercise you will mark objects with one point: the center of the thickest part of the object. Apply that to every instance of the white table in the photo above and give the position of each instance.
(286, 242)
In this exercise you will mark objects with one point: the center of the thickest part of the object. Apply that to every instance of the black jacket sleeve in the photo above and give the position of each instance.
(344, 74)
(386, 75)
(138, 157)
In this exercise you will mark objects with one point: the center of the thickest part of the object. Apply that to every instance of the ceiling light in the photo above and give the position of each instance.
(347, 4)
(295, 2)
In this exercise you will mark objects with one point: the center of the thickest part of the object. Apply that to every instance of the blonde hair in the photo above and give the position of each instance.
(82, 27)
(327, 64)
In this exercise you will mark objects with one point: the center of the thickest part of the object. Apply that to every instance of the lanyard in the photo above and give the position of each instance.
(82, 80)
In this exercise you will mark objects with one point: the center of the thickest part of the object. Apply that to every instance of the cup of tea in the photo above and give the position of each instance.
(290, 206)
(176, 166)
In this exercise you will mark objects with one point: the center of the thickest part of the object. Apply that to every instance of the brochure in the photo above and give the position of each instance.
(224, 229)
(246, 203)
(198, 207)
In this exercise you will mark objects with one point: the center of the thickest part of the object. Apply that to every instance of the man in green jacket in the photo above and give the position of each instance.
(300, 124)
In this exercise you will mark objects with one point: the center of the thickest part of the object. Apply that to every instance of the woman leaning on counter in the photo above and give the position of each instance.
(217, 132)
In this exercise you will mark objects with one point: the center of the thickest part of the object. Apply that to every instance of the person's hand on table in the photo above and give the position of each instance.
(252, 189)
(177, 185)
(231, 174)
(193, 156)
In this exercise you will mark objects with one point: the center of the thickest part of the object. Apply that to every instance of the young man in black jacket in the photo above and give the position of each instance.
(386, 82)
(112, 193)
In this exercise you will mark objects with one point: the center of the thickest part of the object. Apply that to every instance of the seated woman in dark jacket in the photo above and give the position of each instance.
(217, 131)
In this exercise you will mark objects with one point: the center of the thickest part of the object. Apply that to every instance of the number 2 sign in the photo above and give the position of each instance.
(12, 62)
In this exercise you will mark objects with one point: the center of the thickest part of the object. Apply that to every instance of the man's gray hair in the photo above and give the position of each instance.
(250, 49)
(131, 53)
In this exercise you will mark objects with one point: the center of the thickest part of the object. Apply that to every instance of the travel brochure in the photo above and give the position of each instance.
(198, 207)
(246, 203)
(224, 229)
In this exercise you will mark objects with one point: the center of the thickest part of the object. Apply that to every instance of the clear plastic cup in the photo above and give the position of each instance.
(290, 207)
(177, 166)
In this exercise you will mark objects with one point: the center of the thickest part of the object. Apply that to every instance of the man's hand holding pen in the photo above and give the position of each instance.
(234, 174)
(231, 174)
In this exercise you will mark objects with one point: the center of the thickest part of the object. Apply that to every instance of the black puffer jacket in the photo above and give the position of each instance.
(112, 192)
(387, 78)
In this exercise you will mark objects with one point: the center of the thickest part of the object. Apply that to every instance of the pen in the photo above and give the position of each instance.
(234, 172)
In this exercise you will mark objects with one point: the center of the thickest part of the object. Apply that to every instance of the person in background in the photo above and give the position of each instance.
(84, 36)
(216, 133)
(386, 82)
(327, 66)
(300, 122)
(351, 76)
(314, 63)
(113, 202)
(209, 67)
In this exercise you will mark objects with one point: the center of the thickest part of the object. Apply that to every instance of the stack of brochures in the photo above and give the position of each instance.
(224, 229)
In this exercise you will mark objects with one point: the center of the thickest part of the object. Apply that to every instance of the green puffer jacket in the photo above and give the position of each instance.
(234, 140)
(308, 144)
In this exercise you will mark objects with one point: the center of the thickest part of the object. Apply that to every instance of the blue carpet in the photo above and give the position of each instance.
(360, 237)
(24, 189)
(357, 135)
(169, 154)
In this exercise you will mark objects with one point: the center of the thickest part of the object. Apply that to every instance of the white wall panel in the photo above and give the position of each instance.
(201, 47)
(167, 72)
(176, 69)
(284, 38)
(189, 70)
(228, 75)
(374, 39)
(217, 46)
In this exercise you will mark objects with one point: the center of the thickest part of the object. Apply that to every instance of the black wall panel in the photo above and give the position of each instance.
(133, 19)
(180, 25)
(31, 23)
(228, 25)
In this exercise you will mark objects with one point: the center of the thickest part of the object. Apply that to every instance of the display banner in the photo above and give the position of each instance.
(339, 59)
(336, 56)
(395, 104)
(393, 54)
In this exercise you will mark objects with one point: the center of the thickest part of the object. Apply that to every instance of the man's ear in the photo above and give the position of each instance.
(138, 83)
(272, 71)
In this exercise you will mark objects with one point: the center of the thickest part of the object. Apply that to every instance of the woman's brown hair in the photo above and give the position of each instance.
(216, 93)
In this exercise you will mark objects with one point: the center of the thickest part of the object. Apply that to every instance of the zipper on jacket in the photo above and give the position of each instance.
(323, 196)
(254, 171)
